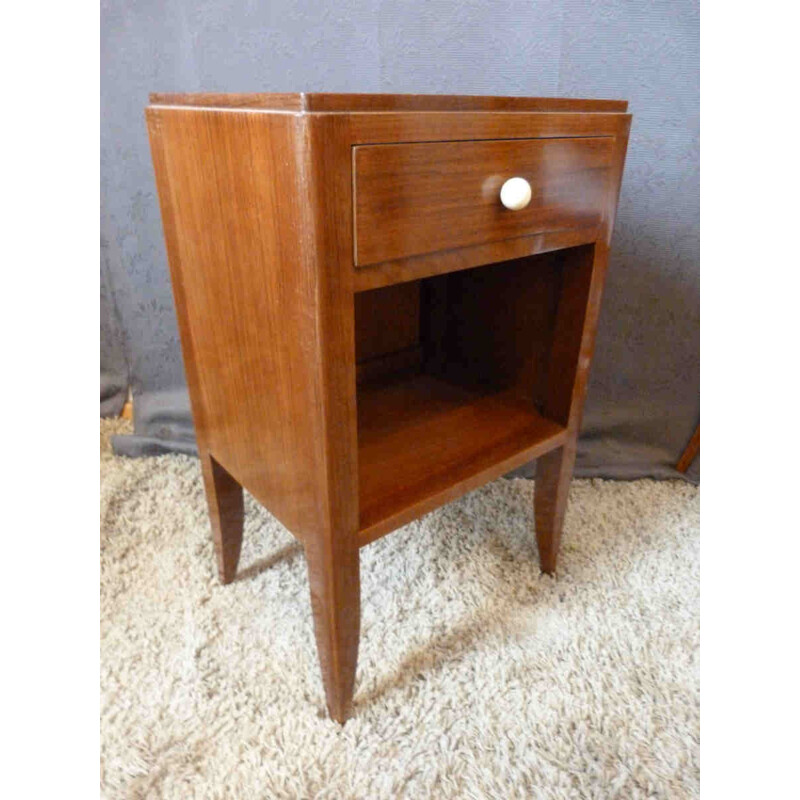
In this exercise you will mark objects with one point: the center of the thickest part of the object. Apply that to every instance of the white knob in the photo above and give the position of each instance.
(515, 193)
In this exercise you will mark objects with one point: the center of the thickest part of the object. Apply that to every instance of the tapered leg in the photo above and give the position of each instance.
(582, 277)
(226, 510)
(333, 573)
(553, 477)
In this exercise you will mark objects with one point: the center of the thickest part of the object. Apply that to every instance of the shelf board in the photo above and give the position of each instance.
(423, 442)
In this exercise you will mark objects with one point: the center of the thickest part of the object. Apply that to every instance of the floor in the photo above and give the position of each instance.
(478, 676)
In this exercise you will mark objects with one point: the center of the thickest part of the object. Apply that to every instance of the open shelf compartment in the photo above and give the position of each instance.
(452, 379)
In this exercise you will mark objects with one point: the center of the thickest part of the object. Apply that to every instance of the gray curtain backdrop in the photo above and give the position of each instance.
(643, 399)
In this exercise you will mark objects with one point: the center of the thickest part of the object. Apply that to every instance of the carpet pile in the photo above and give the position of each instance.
(478, 677)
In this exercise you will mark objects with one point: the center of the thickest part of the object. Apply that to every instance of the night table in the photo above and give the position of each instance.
(384, 301)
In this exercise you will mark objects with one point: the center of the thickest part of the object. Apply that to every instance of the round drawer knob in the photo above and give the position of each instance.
(515, 193)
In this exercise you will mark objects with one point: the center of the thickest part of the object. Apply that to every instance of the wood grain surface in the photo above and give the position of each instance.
(424, 442)
(312, 101)
(350, 399)
(420, 198)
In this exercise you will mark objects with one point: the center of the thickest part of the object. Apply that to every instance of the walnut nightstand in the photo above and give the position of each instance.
(384, 302)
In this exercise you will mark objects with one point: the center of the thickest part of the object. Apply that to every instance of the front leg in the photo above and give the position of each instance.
(582, 276)
(551, 488)
(333, 574)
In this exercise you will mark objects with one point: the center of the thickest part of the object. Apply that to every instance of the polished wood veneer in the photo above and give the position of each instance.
(423, 442)
(418, 198)
(368, 332)
(315, 101)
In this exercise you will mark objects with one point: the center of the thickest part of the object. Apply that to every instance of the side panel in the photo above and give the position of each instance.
(231, 185)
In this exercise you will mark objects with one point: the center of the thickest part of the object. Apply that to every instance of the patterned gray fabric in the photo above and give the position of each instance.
(113, 363)
(644, 393)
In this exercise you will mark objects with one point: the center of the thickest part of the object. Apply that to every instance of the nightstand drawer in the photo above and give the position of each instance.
(417, 198)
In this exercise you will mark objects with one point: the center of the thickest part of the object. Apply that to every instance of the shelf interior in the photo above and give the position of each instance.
(460, 379)
(424, 441)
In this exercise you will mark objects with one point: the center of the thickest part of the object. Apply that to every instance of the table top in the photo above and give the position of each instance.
(319, 101)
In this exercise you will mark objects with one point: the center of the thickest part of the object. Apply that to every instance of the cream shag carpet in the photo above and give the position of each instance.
(478, 677)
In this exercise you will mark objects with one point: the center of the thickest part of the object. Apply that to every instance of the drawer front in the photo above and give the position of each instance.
(425, 197)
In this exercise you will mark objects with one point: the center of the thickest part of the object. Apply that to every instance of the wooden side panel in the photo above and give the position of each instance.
(236, 226)
(329, 196)
(565, 382)
(567, 377)
(426, 197)
(572, 347)
(497, 323)
(388, 332)
(387, 320)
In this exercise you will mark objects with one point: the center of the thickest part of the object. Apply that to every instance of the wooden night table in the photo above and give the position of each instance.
(384, 301)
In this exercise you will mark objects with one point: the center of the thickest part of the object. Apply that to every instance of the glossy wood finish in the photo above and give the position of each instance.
(396, 127)
(550, 493)
(264, 334)
(242, 277)
(387, 320)
(350, 399)
(491, 328)
(565, 381)
(419, 198)
(226, 511)
(312, 101)
(334, 577)
(424, 441)
(387, 332)
(400, 270)
(334, 580)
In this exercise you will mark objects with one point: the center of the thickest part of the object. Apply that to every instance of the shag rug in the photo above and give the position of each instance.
(478, 677)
